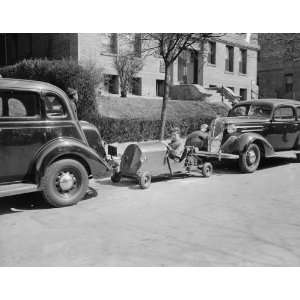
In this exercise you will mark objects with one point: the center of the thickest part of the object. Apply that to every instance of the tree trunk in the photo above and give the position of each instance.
(164, 103)
(123, 93)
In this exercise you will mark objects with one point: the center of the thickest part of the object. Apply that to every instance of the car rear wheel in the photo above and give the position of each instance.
(145, 180)
(250, 159)
(65, 183)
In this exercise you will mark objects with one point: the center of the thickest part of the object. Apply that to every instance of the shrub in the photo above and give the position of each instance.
(64, 74)
(125, 130)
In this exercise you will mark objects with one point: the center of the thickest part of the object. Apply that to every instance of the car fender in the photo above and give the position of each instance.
(68, 148)
(238, 144)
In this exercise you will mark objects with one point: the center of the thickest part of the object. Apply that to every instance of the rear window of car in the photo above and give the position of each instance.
(284, 113)
(19, 104)
(298, 112)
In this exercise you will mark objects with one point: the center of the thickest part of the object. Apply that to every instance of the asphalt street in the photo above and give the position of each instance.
(229, 219)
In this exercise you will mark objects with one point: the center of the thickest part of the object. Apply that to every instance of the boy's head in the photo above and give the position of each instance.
(175, 134)
(72, 93)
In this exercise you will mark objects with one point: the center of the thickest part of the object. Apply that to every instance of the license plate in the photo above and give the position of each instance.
(112, 150)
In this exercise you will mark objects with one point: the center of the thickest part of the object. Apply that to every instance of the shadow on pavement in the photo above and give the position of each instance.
(31, 201)
(220, 168)
(19, 203)
(231, 167)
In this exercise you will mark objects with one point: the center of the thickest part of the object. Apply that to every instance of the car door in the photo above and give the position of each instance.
(282, 133)
(21, 134)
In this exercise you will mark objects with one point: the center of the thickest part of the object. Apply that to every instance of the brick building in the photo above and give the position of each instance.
(279, 65)
(227, 61)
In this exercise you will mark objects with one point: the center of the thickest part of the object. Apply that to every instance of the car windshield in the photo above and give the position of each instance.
(253, 110)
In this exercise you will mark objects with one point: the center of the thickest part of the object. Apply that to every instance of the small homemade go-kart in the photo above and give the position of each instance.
(142, 161)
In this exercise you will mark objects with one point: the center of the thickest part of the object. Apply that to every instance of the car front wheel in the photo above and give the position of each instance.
(249, 160)
(64, 183)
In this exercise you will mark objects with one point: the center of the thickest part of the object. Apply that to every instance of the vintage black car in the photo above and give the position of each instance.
(254, 130)
(43, 147)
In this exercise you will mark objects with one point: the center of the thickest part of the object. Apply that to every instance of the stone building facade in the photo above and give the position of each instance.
(227, 61)
(279, 65)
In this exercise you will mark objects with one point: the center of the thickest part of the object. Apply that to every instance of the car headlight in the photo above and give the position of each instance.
(231, 128)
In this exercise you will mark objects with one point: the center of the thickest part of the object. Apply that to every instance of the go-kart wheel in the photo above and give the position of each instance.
(145, 180)
(116, 177)
(207, 169)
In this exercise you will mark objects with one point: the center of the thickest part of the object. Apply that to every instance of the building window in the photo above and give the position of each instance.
(111, 83)
(136, 86)
(162, 66)
(212, 53)
(243, 94)
(114, 43)
(138, 45)
(229, 59)
(243, 61)
(289, 83)
(160, 88)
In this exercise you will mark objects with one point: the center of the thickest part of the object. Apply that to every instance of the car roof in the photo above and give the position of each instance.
(32, 85)
(273, 102)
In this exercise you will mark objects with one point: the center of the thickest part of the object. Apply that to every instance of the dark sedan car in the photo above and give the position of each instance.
(42, 144)
(256, 129)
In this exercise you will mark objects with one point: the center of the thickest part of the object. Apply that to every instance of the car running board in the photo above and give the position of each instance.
(283, 154)
(17, 188)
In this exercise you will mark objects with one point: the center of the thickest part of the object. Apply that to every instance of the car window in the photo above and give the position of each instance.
(298, 112)
(260, 111)
(284, 113)
(239, 111)
(54, 106)
(1, 107)
(23, 104)
(16, 108)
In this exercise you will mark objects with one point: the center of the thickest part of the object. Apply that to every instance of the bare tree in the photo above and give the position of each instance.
(169, 46)
(127, 66)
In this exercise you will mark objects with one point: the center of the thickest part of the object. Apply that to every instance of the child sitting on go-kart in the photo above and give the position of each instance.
(176, 145)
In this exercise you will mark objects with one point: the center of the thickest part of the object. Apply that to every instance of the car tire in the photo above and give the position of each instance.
(64, 183)
(145, 180)
(207, 169)
(116, 177)
(249, 160)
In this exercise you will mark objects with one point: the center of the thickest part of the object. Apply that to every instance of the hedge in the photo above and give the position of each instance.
(62, 73)
(126, 130)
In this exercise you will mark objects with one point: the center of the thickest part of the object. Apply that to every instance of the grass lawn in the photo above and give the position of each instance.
(150, 108)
